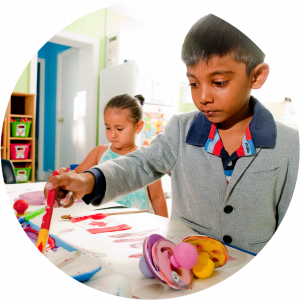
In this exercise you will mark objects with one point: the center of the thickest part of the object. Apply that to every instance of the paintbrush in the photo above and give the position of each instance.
(110, 214)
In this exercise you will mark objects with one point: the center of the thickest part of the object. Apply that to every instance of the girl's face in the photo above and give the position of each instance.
(120, 130)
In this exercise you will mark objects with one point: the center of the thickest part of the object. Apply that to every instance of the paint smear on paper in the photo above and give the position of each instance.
(109, 229)
(230, 258)
(138, 255)
(33, 198)
(136, 245)
(141, 233)
(129, 240)
(66, 230)
(33, 236)
(92, 217)
(100, 224)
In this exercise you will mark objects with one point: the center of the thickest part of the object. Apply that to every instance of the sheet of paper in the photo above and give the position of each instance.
(100, 223)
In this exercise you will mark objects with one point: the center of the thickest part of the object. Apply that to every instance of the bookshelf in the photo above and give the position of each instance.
(3, 139)
(21, 105)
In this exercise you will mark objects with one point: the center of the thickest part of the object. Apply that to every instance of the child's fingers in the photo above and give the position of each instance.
(62, 180)
(61, 171)
(68, 200)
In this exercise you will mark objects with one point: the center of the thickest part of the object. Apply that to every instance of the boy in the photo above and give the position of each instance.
(233, 168)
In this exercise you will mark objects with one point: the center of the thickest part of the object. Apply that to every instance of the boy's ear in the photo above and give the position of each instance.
(260, 75)
(139, 126)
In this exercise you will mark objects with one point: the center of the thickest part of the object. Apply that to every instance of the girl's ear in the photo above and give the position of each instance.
(260, 75)
(139, 126)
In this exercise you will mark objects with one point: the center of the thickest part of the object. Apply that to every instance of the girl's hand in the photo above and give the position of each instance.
(70, 186)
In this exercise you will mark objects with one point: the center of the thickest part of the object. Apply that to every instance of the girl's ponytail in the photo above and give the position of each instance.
(141, 99)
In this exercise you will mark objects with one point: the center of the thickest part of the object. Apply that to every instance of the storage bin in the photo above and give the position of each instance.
(22, 174)
(20, 129)
(19, 151)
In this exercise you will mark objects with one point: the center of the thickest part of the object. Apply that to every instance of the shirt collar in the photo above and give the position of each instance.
(262, 127)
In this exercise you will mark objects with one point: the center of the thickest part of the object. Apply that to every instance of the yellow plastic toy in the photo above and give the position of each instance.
(204, 267)
(211, 254)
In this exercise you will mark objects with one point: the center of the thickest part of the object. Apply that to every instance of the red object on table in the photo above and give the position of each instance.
(20, 206)
(49, 207)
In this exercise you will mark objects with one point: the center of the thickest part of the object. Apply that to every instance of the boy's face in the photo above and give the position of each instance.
(221, 89)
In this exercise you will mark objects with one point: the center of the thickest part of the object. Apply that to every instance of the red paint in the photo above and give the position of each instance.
(66, 230)
(92, 217)
(129, 240)
(138, 255)
(109, 229)
(230, 258)
(40, 247)
(51, 240)
(137, 245)
(100, 224)
(141, 233)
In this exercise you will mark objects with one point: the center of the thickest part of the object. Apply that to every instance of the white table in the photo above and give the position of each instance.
(115, 256)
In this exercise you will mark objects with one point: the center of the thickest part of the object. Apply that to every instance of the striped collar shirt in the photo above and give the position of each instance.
(261, 132)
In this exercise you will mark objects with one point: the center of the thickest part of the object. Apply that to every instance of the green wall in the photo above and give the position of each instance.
(23, 82)
(185, 107)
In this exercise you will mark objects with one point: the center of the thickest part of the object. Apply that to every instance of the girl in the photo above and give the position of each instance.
(123, 121)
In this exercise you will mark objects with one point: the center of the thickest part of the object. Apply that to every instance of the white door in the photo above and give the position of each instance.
(67, 127)
(76, 73)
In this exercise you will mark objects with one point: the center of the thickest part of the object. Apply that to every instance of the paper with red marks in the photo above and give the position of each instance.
(91, 217)
(93, 224)
(109, 229)
(100, 224)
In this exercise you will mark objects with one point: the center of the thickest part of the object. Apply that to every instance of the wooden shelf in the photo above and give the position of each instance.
(4, 139)
(21, 105)
(20, 160)
(21, 116)
(20, 139)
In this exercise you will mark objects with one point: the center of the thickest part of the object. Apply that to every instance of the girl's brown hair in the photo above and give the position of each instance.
(133, 104)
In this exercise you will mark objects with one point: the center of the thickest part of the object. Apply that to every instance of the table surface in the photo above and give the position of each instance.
(120, 255)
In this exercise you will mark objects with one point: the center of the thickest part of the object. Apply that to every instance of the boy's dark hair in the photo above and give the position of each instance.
(133, 104)
(211, 36)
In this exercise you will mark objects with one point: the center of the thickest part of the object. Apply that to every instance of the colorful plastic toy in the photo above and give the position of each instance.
(217, 251)
(20, 206)
(175, 264)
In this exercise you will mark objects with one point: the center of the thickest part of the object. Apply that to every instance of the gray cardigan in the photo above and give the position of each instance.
(259, 191)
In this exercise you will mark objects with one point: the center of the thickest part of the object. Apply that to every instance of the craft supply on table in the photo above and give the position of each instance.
(175, 264)
(20, 206)
(75, 264)
(110, 214)
(68, 259)
(44, 231)
(31, 215)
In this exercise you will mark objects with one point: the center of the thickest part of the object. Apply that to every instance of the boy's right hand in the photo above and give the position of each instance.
(70, 186)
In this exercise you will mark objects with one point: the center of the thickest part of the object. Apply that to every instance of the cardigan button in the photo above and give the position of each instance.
(228, 209)
(227, 239)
